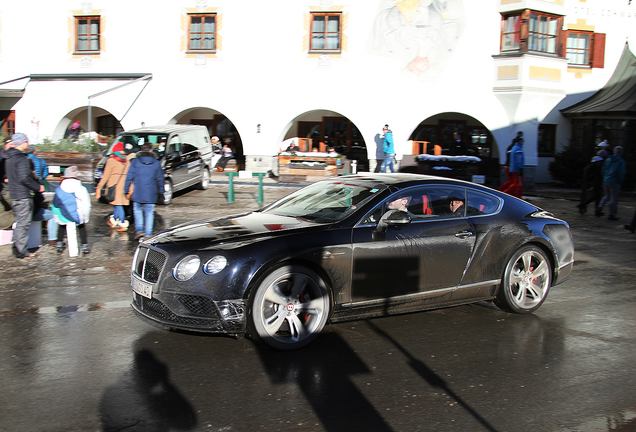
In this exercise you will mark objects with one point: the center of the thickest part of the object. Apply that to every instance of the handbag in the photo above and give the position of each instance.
(109, 192)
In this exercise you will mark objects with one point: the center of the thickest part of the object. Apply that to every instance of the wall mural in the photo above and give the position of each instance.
(421, 35)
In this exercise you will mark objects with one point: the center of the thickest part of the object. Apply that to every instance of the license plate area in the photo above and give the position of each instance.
(141, 288)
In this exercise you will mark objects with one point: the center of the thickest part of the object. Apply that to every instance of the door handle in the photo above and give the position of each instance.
(328, 255)
(464, 234)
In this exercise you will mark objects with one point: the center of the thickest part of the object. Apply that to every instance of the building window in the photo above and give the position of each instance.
(511, 34)
(531, 31)
(202, 32)
(325, 32)
(584, 48)
(542, 33)
(546, 144)
(87, 30)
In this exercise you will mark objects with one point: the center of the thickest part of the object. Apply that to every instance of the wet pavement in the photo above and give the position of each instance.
(74, 357)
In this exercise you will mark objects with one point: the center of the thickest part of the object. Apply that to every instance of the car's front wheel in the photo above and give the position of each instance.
(289, 308)
(167, 192)
(526, 281)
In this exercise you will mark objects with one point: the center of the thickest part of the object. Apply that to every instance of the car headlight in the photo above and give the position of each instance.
(186, 268)
(215, 265)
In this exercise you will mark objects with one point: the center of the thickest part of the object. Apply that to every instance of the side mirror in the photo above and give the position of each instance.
(391, 218)
(398, 217)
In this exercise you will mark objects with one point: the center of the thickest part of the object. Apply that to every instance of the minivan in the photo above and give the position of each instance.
(185, 153)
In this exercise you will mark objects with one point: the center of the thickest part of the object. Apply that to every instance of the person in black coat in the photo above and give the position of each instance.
(22, 185)
(593, 176)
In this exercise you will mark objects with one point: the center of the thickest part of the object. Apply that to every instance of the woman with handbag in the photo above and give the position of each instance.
(115, 175)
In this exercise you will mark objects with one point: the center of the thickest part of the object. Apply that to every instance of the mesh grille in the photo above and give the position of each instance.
(149, 264)
(197, 305)
(155, 309)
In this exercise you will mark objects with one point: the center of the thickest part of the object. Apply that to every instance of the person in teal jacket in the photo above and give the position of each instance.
(389, 150)
(613, 175)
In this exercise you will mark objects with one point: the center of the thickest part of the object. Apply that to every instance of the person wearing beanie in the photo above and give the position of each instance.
(22, 186)
(74, 131)
(115, 175)
(613, 175)
(593, 176)
(71, 204)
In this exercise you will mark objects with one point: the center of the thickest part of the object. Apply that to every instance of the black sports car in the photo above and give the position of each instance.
(347, 248)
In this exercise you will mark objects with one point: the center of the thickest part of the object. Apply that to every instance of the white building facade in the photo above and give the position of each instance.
(261, 72)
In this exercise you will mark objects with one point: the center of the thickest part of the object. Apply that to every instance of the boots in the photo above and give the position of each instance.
(112, 222)
(122, 226)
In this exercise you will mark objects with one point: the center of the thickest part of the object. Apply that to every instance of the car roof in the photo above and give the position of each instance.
(404, 179)
(164, 129)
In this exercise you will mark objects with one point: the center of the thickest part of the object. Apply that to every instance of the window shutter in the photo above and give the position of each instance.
(598, 56)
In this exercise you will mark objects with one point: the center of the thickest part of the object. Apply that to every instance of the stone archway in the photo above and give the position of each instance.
(218, 125)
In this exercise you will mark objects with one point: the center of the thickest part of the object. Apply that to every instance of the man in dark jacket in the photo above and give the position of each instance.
(22, 185)
(146, 175)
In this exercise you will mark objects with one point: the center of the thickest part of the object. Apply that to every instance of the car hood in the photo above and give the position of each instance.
(232, 228)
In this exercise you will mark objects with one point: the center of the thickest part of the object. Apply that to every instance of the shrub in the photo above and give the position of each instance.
(83, 145)
(568, 166)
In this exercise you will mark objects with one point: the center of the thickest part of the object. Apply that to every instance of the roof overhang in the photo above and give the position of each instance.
(9, 97)
(616, 99)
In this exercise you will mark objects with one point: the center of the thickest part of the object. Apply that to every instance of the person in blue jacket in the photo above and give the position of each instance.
(613, 175)
(389, 150)
(145, 177)
(71, 204)
(40, 168)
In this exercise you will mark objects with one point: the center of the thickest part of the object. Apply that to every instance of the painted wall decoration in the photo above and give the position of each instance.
(420, 35)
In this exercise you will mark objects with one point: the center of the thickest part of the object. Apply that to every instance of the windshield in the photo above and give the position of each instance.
(326, 201)
(133, 142)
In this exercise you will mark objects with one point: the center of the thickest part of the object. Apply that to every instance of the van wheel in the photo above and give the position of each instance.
(205, 179)
(167, 194)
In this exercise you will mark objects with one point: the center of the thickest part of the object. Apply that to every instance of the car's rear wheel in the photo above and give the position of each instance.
(205, 179)
(167, 194)
(526, 281)
(289, 308)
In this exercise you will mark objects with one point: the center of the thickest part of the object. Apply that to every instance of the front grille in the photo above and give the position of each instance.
(149, 264)
(155, 309)
(197, 305)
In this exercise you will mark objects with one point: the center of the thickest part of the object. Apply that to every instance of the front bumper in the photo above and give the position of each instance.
(193, 312)
(179, 310)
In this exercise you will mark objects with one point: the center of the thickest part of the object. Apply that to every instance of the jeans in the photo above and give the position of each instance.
(144, 218)
(23, 213)
(119, 213)
(389, 161)
(611, 195)
(44, 214)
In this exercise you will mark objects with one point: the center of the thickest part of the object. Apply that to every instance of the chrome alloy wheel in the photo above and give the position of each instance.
(290, 307)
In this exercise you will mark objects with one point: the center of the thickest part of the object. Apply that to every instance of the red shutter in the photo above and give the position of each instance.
(598, 54)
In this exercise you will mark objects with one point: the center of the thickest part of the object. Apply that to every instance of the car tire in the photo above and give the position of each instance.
(527, 279)
(205, 179)
(167, 194)
(289, 308)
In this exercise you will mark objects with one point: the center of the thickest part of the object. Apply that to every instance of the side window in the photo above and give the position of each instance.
(480, 203)
(188, 148)
(437, 202)
(424, 203)
(174, 144)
